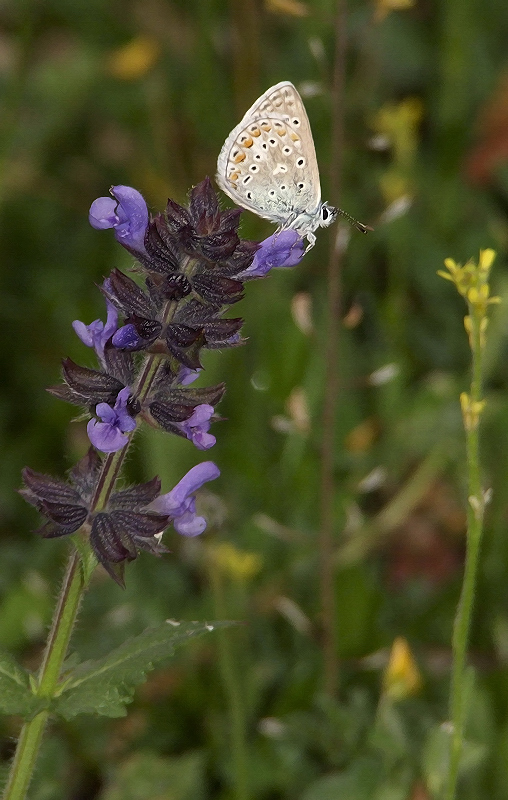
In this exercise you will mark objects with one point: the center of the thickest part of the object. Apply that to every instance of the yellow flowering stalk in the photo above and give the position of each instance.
(230, 571)
(399, 124)
(472, 283)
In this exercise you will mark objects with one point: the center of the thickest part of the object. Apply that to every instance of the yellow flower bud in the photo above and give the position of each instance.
(402, 677)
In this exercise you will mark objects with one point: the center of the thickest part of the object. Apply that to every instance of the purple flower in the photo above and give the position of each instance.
(97, 334)
(197, 426)
(127, 338)
(127, 213)
(109, 435)
(283, 249)
(187, 376)
(180, 502)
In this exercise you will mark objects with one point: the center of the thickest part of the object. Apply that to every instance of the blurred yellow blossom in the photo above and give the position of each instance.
(362, 437)
(402, 677)
(398, 124)
(294, 8)
(471, 411)
(235, 563)
(134, 59)
(383, 7)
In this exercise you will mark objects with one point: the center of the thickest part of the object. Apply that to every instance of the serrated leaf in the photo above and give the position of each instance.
(107, 685)
(15, 694)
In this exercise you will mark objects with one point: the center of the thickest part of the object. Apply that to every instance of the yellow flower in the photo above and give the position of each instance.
(294, 8)
(383, 7)
(471, 281)
(402, 677)
(398, 123)
(486, 259)
(134, 59)
(235, 563)
(471, 411)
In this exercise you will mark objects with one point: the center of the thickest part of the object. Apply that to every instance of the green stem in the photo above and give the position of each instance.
(462, 623)
(74, 584)
(327, 522)
(234, 691)
(56, 648)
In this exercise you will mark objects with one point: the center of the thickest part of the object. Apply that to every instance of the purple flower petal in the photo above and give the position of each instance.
(85, 332)
(127, 214)
(105, 437)
(189, 524)
(127, 338)
(283, 249)
(98, 333)
(106, 413)
(180, 503)
(197, 426)
(187, 376)
(108, 435)
(102, 213)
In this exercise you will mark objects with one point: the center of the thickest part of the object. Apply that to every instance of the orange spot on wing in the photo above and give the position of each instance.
(239, 158)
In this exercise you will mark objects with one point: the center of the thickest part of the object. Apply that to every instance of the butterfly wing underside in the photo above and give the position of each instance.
(268, 162)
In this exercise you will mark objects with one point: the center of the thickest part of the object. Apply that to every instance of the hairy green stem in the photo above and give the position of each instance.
(74, 585)
(476, 503)
(56, 648)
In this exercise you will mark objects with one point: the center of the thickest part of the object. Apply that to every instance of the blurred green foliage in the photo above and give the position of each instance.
(97, 93)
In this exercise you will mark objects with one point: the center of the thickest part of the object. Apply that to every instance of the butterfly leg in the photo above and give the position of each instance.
(311, 239)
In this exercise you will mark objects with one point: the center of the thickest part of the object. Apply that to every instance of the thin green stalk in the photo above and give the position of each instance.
(233, 689)
(75, 582)
(56, 648)
(327, 568)
(476, 503)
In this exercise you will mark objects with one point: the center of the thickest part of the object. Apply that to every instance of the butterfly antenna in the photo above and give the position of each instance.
(354, 222)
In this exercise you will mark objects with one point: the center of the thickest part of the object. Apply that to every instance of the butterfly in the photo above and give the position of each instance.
(268, 165)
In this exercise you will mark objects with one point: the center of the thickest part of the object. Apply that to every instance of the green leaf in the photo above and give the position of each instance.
(15, 694)
(107, 685)
(359, 782)
(146, 774)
